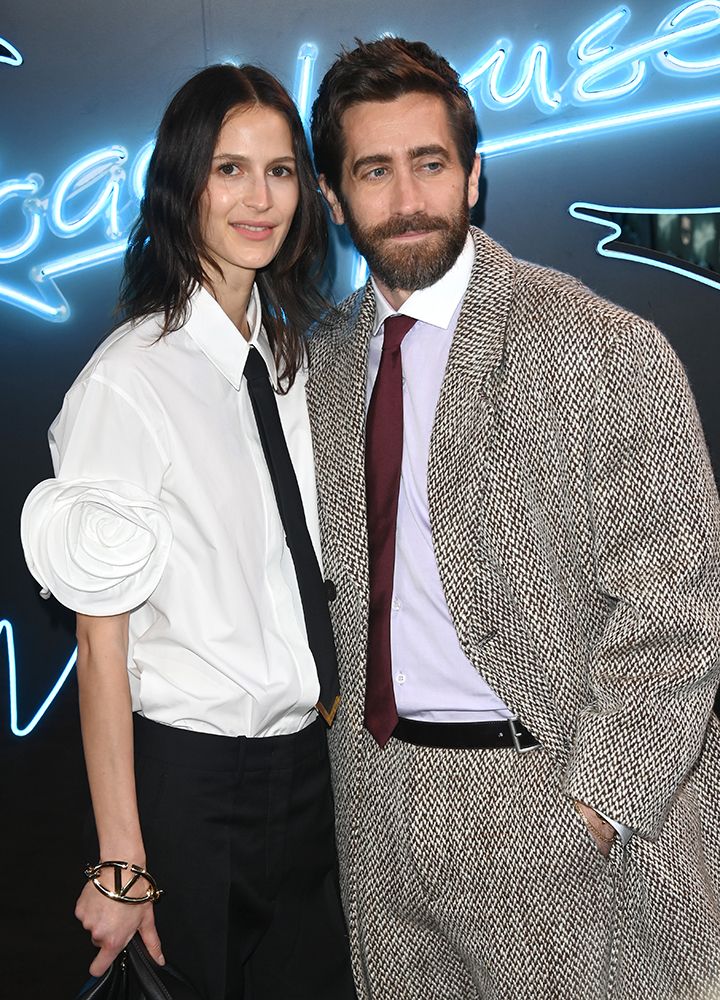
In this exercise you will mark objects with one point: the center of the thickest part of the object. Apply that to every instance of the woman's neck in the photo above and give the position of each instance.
(233, 299)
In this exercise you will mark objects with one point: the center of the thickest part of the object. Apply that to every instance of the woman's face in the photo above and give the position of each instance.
(252, 192)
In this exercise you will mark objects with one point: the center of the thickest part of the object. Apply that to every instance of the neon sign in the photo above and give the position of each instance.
(95, 192)
(9, 54)
(100, 192)
(17, 729)
(602, 73)
(598, 216)
(96, 197)
(601, 69)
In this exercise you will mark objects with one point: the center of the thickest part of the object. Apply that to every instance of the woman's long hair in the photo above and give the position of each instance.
(163, 263)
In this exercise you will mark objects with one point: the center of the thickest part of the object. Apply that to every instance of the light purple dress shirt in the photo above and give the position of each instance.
(433, 679)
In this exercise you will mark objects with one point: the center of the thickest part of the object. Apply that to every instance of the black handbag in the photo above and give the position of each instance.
(135, 976)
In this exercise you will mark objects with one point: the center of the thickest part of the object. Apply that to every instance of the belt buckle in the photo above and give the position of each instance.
(516, 739)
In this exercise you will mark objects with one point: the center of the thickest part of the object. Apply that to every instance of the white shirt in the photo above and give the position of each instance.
(163, 505)
(433, 680)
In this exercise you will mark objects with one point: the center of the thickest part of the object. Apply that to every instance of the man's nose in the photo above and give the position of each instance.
(408, 193)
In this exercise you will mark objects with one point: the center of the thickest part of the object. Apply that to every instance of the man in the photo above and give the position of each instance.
(522, 526)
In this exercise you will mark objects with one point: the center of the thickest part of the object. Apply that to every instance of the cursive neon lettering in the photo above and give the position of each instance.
(102, 168)
(596, 214)
(709, 13)
(16, 728)
(304, 72)
(9, 54)
(533, 78)
(587, 51)
(101, 189)
(139, 169)
(10, 192)
(588, 84)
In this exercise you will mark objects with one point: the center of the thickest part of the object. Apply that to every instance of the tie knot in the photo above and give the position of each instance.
(255, 368)
(394, 329)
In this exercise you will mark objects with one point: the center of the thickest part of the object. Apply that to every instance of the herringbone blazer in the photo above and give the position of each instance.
(576, 527)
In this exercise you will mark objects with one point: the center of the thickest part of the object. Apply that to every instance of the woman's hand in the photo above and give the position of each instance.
(112, 924)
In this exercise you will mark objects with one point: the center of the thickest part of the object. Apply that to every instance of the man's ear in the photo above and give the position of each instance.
(473, 182)
(330, 197)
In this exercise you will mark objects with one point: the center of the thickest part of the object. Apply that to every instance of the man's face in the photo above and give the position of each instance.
(403, 193)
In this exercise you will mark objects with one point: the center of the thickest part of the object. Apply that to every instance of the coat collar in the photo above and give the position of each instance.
(465, 409)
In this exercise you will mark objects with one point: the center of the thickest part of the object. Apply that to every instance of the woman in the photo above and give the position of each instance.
(162, 531)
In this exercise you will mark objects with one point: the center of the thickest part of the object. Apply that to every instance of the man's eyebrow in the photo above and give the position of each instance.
(433, 150)
(416, 153)
(374, 160)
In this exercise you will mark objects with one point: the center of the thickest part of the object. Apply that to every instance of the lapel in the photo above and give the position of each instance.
(490, 627)
(336, 403)
(465, 412)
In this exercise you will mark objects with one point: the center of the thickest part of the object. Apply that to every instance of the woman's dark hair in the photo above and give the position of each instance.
(164, 259)
(383, 71)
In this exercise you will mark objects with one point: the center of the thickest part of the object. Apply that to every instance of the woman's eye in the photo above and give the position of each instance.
(227, 169)
(281, 171)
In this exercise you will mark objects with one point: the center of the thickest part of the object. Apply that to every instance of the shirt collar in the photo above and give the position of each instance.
(434, 305)
(220, 340)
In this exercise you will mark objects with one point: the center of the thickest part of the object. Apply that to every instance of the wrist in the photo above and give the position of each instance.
(122, 849)
(123, 882)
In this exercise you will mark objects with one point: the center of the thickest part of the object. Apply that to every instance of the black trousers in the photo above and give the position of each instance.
(240, 835)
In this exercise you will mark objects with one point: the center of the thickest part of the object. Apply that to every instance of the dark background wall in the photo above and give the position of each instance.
(95, 76)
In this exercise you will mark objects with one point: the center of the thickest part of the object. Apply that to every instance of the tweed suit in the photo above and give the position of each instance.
(576, 528)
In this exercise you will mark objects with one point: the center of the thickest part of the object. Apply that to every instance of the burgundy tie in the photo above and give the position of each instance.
(383, 459)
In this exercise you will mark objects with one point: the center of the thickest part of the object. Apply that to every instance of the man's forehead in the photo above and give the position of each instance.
(395, 127)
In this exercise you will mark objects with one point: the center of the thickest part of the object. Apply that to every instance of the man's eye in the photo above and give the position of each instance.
(377, 172)
(433, 166)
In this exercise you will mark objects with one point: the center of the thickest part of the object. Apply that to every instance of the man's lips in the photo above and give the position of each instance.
(412, 234)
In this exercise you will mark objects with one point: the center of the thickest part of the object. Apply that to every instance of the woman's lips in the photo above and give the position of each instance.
(252, 230)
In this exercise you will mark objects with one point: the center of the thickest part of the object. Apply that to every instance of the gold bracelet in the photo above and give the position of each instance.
(120, 892)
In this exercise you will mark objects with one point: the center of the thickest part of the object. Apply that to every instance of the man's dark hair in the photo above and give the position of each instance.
(164, 260)
(384, 70)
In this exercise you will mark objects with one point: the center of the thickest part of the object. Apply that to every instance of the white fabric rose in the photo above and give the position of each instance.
(99, 547)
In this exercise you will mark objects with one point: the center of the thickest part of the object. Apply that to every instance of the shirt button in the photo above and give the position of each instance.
(400, 678)
(396, 604)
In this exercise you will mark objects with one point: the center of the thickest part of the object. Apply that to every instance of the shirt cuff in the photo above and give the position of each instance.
(623, 832)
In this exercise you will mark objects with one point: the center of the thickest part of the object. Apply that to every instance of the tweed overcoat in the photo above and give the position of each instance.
(576, 527)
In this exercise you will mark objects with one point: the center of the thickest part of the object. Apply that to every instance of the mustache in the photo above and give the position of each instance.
(408, 224)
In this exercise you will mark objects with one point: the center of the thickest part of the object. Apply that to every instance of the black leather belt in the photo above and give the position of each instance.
(466, 735)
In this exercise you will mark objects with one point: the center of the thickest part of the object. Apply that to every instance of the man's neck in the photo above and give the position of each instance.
(394, 296)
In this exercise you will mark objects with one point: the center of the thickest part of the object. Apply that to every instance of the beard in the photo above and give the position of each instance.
(416, 265)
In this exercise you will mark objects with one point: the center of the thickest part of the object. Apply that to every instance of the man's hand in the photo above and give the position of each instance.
(602, 832)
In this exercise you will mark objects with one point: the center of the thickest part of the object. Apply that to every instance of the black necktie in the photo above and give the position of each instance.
(313, 592)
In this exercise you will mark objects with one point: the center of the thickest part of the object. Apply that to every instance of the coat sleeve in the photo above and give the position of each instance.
(654, 507)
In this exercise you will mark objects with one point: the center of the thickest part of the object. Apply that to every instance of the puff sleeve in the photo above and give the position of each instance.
(98, 536)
